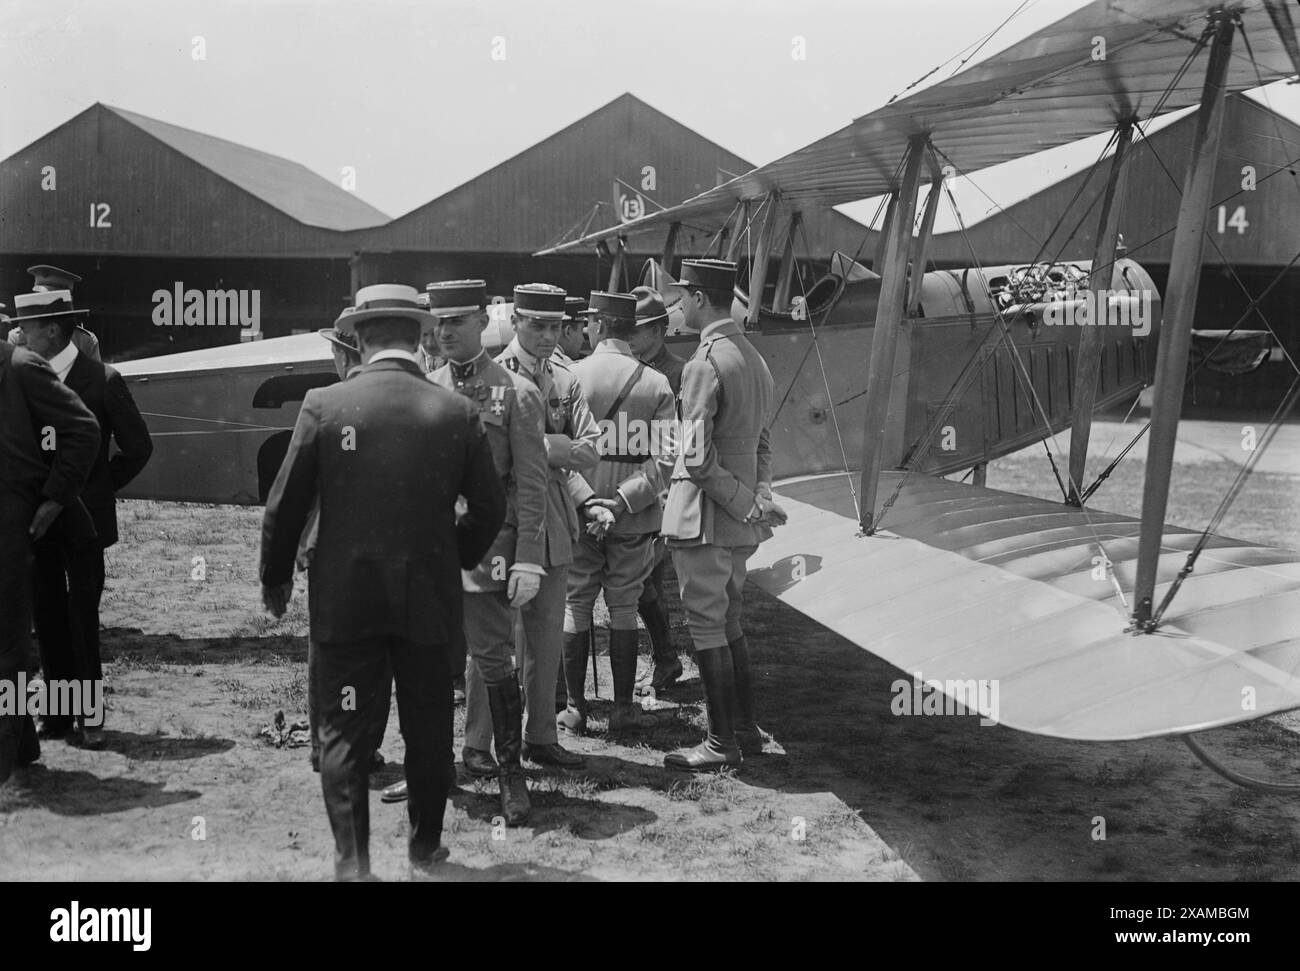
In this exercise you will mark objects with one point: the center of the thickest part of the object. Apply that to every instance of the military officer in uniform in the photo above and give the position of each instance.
(572, 332)
(636, 410)
(46, 277)
(571, 436)
(510, 575)
(647, 343)
(720, 507)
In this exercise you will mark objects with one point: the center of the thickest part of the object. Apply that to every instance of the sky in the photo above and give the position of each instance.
(419, 97)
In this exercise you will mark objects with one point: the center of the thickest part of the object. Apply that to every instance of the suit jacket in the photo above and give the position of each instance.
(571, 436)
(385, 453)
(643, 425)
(35, 408)
(104, 392)
(725, 452)
(511, 410)
(32, 400)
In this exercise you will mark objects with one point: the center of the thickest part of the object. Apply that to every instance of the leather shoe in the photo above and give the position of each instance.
(553, 754)
(572, 722)
(479, 762)
(709, 756)
(394, 793)
(665, 674)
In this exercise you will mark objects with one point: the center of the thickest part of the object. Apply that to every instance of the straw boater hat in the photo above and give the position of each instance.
(345, 342)
(540, 300)
(43, 304)
(379, 301)
(454, 298)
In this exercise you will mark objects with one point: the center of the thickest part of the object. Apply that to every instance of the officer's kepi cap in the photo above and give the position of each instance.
(452, 298)
(575, 307)
(541, 300)
(621, 305)
(708, 275)
(48, 277)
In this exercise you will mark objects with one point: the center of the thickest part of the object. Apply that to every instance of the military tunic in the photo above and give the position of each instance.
(724, 458)
(637, 447)
(511, 411)
(571, 436)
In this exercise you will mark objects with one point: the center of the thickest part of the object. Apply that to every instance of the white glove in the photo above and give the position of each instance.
(17, 338)
(522, 587)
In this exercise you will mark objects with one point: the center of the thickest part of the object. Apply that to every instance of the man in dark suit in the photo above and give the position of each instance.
(48, 443)
(69, 569)
(386, 453)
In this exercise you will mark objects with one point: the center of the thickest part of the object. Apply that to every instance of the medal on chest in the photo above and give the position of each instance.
(498, 400)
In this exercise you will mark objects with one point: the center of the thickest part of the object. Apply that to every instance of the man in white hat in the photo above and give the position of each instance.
(385, 453)
(35, 486)
(347, 360)
(48, 277)
(69, 568)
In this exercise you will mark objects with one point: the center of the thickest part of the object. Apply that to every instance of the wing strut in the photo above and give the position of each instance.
(921, 245)
(1176, 328)
(1090, 339)
(762, 255)
(884, 341)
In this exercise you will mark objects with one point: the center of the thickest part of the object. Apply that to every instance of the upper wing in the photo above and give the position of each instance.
(967, 584)
(1111, 60)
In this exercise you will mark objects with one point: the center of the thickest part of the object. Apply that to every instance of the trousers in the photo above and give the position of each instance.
(712, 583)
(537, 653)
(617, 564)
(353, 677)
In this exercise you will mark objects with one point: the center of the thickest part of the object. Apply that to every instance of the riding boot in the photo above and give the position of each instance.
(667, 667)
(628, 716)
(508, 729)
(573, 719)
(719, 747)
(749, 736)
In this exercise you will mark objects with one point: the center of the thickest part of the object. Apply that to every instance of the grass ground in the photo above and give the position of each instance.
(847, 792)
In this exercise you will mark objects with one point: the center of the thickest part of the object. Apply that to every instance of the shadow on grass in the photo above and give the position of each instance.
(131, 649)
(74, 792)
(163, 748)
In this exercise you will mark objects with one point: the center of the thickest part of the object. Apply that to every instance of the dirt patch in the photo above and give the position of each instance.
(848, 791)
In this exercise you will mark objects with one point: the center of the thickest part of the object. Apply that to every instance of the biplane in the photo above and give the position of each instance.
(891, 378)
